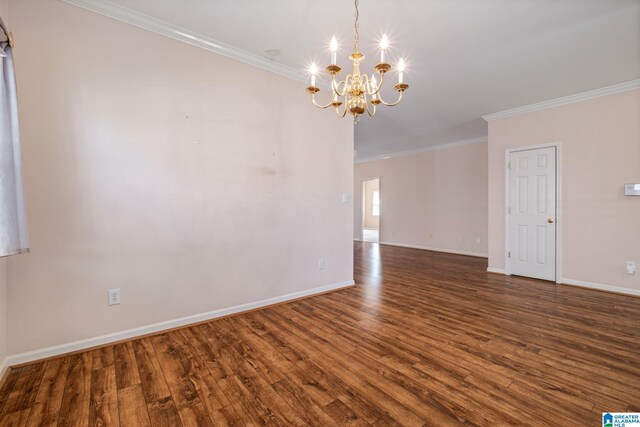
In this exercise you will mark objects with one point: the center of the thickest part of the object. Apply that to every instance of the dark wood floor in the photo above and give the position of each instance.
(425, 338)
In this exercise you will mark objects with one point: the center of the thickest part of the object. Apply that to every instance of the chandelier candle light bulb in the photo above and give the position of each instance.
(334, 50)
(384, 44)
(358, 92)
(313, 70)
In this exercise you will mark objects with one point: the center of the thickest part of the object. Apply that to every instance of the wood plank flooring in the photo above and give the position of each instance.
(424, 339)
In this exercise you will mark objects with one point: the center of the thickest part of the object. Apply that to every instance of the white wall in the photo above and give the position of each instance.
(186, 179)
(600, 144)
(4, 13)
(436, 199)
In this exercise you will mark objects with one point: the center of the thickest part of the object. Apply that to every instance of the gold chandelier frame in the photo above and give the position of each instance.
(359, 92)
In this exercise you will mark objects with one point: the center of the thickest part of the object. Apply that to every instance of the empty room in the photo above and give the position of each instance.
(326, 213)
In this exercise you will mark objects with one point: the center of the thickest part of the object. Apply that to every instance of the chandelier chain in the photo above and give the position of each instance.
(356, 27)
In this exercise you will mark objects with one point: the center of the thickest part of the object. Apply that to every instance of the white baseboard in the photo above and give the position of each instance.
(583, 284)
(602, 287)
(427, 248)
(4, 365)
(57, 350)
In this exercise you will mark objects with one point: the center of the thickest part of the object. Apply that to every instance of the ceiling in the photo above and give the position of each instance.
(466, 58)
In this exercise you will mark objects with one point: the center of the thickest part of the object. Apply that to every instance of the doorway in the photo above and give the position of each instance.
(532, 206)
(371, 210)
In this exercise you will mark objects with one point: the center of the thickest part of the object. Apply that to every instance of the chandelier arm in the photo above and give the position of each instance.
(377, 91)
(343, 113)
(369, 111)
(391, 104)
(313, 99)
(336, 87)
(366, 84)
(346, 108)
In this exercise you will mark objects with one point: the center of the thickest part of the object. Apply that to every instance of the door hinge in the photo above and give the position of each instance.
(509, 254)
(509, 209)
(509, 165)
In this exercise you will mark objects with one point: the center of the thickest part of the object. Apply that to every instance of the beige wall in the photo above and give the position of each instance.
(186, 179)
(436, 199)
(4, 13)
(600, 151)
(370, 221)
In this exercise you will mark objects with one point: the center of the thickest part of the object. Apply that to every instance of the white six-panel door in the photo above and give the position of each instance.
(532, 213)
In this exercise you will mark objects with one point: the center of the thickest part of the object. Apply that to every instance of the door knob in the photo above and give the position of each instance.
(551, 220)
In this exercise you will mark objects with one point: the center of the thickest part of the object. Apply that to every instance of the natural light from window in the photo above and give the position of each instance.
(376, 203)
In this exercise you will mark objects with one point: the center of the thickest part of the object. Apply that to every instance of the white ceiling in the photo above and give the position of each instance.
(466, 58)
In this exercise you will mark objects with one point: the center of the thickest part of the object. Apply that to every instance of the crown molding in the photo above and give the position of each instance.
(423, 149)
(582, 96)
(140, 20)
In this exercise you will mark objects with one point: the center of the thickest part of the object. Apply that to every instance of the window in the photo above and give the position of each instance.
(376, 203)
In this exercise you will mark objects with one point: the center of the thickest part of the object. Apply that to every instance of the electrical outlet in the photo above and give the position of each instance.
(631, 267)
(321, 264)
(114, 296)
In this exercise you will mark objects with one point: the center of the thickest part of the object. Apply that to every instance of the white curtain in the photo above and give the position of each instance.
(13, 221)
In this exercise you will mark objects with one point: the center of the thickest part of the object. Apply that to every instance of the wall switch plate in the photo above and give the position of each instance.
(632, 189)
(478, 240)
(321, 264)
(631, 267)
(345, 197)
(114, 296)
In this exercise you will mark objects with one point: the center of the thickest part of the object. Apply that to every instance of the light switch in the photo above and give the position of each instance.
(632, 189)
(345, 197)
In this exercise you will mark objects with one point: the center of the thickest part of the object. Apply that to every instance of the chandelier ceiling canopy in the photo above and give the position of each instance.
(358, 93)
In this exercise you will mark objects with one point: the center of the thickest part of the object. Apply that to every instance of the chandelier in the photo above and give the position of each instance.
(358, 92)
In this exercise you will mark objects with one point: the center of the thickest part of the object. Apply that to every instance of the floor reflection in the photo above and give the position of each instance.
(372, 272)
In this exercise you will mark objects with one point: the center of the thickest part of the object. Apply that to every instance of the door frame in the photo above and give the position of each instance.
(362, 207)
(507, 216)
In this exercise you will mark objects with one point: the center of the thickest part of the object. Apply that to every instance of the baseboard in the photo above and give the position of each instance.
(601, 287)
(45, 353)
(427, 248)
(4, 370)
(495, 270)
